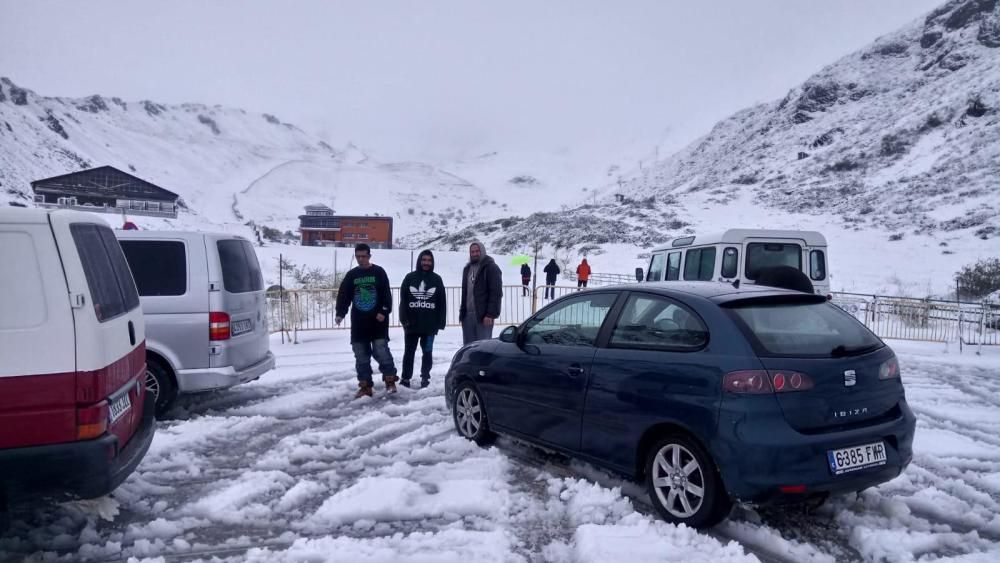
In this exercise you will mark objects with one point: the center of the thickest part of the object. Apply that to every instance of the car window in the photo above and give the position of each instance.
(817, 265)
(655, 272)
(112, 290)
(573, 322)
(699, 264)
(240, 270)
(767, 255)
(730, 262)
(657, 323)
(804, 329)
(674, 266)
(158, 266)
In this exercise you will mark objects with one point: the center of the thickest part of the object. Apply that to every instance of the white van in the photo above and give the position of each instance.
(73, 417)
(740, 254)
(206, 311)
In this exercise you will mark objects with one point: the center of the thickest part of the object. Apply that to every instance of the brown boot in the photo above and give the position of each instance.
(390, 383)
(364, 390)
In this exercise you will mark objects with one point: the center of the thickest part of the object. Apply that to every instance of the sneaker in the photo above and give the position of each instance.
(364, 390)
(405, 383)
(390, 383)
(424, 382)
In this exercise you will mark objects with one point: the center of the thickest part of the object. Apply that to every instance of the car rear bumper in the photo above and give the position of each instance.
(756, 459)
(87, 469)
(208, 379)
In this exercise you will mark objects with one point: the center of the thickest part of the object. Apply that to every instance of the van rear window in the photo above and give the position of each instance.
(803, 329)
(762, 255)
(112, 290)
(240, 270)
(158, 266)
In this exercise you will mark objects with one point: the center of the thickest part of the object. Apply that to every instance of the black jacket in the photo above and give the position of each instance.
(367, 293)
(487, 290)
(551, 272)
(422, 301)
(525, 272)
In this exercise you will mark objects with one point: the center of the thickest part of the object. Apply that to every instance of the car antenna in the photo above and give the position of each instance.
(736, 284)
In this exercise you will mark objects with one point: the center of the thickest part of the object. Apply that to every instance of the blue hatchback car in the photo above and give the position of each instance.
(707, 393)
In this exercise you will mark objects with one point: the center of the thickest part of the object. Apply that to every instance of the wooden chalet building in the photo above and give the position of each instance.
(105, 189)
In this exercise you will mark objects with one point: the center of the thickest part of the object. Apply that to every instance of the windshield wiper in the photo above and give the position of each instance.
(841, 350)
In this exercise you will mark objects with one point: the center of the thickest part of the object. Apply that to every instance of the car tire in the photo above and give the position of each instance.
(160, 385)
(683, 484)
(469, 413)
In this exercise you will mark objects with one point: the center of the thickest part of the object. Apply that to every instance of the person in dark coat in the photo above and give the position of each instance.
(482, 291)
(551, 273)
(365, 289)
(785, 277)
(525, 278)
(422, 312)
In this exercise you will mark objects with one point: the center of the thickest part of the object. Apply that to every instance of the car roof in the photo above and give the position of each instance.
(734, 236)
(144, 234)
(717, 292)
(40, 215)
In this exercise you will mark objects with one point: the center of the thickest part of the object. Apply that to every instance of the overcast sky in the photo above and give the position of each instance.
(412, 78)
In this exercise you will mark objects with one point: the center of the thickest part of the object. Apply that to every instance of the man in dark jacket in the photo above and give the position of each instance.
(422, 312)
(551, 273)
(525, 278)
(365, 289)
(482, 290)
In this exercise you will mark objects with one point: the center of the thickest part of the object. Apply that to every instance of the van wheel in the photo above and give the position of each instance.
(160, 386)
(469, 413)
(683, 484)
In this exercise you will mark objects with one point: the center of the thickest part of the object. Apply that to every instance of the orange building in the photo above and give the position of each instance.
(320, 227)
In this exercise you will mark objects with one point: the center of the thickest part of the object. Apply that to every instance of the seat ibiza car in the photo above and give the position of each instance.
(707, 393)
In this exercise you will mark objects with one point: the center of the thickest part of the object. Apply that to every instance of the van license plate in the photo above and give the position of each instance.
(242, 326)
(859, 457)
(120, 406)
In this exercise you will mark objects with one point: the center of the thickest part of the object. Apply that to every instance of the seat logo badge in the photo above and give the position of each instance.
(850, 378)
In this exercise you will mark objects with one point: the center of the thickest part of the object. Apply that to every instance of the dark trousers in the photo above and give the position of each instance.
(426, 342)
(550, 292)
(473, 330)
(581, 283)
(363, 352)
(524, 286)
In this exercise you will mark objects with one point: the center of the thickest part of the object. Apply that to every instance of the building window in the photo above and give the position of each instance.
(363, 236)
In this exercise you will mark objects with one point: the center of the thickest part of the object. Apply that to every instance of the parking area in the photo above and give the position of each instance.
(291, 468)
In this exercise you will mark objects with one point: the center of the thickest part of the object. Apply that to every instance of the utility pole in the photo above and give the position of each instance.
(534, 278)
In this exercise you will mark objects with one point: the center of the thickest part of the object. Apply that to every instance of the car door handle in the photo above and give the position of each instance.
(575, 371)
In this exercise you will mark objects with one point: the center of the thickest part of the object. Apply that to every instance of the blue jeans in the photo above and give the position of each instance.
(473, 330)
(363, 352)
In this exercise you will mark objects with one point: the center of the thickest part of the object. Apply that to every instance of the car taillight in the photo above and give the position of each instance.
(218, 326)
(757, 382)
(91, 421)
(889, 369)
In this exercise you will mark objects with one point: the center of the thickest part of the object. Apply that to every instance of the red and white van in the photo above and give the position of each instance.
(73, 417)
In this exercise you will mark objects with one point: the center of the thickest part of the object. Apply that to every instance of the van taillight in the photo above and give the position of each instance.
(218, 326)
(758, 381)
(91, 421)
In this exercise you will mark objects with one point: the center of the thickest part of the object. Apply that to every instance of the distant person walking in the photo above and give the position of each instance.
(582, 273)
(525, 278)
(365, 290)
(422, 312)
(551, 273)
(482, 291)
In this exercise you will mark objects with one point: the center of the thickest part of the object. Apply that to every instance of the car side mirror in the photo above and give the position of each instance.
(509, 334)
(639, 274)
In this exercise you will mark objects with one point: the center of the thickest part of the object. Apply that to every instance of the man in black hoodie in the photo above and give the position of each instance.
(482, 291)
(365, 289)
(422, 312)
(551, 273)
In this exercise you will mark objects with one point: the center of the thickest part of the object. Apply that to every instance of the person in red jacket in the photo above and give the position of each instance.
(582, 273)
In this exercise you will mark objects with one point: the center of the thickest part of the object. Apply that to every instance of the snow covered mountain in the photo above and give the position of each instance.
(902, 136)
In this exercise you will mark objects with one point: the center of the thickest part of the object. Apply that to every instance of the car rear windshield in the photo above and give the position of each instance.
(240, 270)
(112, 290)
(768, 255)
(158, 266)
(803, 329)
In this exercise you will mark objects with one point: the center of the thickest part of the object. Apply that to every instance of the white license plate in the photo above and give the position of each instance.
(859, 457)
(120, 406)
(241, 327)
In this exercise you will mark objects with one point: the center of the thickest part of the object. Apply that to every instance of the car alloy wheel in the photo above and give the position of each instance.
(152, 385)
(470, 415)
(678, 480)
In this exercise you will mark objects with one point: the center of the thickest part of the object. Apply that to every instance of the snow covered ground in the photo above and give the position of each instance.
(291, 468)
